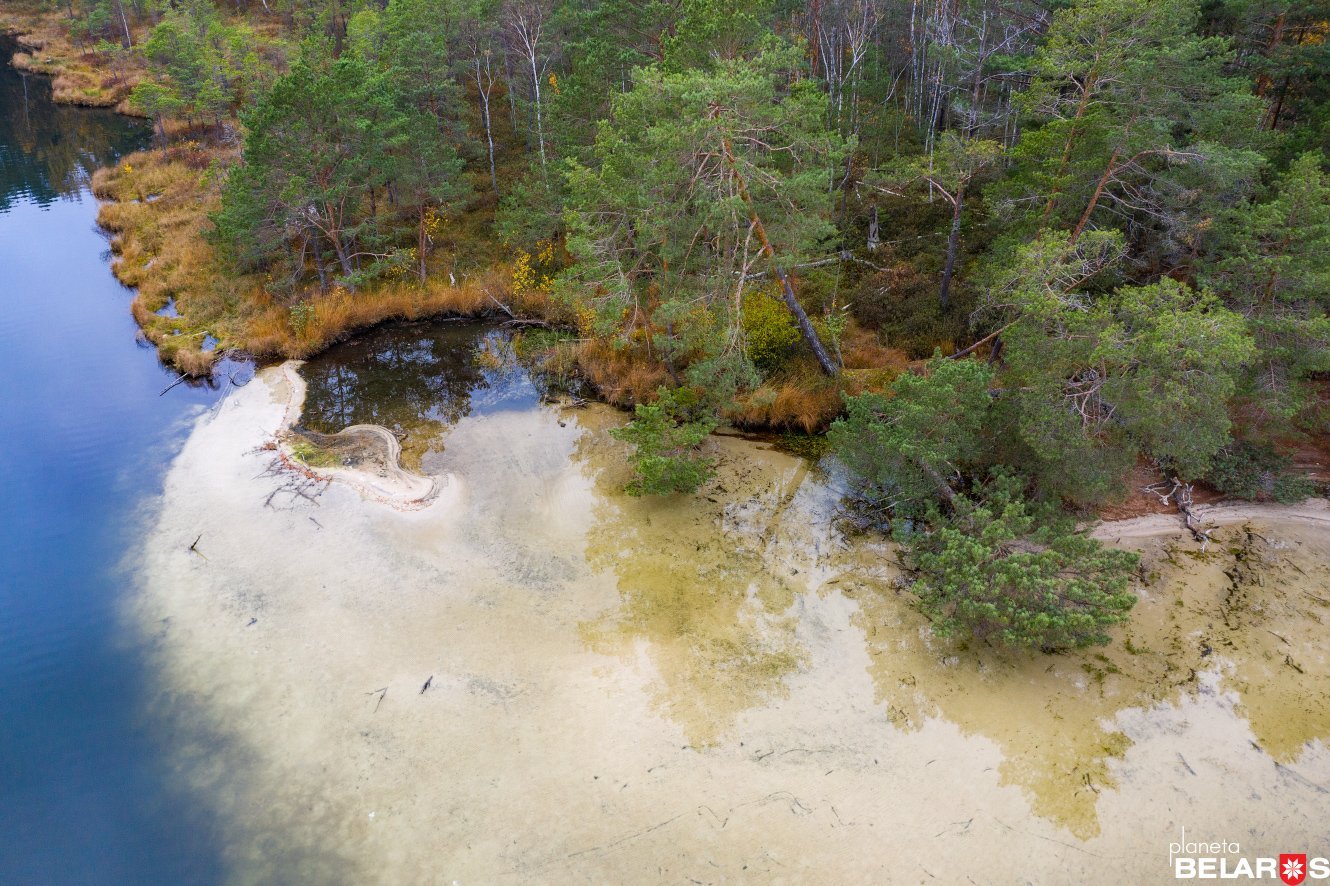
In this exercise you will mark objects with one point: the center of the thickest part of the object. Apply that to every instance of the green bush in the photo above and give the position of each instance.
(1290, 490)
(301, 314)
(667, 435)
(1019, 574)
(904, 447)
(1250, 470)
(769, 331)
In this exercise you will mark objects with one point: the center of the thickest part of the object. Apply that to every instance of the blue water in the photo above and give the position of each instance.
(86, 795)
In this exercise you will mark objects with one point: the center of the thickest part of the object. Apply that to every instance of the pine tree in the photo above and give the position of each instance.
(1007, 571)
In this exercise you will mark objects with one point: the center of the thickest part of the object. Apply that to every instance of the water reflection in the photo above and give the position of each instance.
(49, 151)
(85, 796)
(1245, 611)
(703, 596)
(713, 591)
(585, 686)
(418, 380)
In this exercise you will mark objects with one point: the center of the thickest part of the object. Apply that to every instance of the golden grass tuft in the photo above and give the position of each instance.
(803, 399)
(861, 349)
(79, 76)
(621, 375)
(332, 315)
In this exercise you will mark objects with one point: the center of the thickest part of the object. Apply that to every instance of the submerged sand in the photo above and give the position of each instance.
(704, 689)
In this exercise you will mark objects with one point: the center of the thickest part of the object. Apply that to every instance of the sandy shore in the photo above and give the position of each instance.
(535, 678)
(1314, 513)
(378, 475)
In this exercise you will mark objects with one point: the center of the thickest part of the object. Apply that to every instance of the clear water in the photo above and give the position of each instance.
(84, 441)
(418, 380)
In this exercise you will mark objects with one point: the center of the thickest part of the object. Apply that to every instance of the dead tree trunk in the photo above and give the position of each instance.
(953, 243)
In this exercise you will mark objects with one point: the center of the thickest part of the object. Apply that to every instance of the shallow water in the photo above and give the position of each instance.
(417, 380)
(539, 678)
(84, 794)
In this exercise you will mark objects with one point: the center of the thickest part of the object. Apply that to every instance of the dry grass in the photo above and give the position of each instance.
(333, 315)
(801, 399)
(80, 76)
(157, 205)
(621, 375)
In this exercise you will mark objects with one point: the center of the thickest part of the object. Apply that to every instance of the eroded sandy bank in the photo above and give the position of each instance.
(366, 458)
(717, 689)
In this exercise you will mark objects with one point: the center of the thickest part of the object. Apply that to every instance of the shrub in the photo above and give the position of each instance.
(769, 331)
(667, 435)
(1008, 571)
(902, 448)
(1250, 470)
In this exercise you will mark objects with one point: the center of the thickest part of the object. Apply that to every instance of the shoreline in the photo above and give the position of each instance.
(85, 86)
(396, 487)
(393, 688)
(1311, 512)
(126, 199)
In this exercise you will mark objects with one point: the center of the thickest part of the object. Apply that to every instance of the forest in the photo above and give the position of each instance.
(1003, 257)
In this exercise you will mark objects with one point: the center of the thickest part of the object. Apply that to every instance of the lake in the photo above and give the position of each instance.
(87, 438)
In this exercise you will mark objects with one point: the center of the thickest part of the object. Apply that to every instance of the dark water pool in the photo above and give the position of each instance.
(85, 795)
(418, 380)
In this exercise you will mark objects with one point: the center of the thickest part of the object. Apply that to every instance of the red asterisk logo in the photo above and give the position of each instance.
(1292, 869)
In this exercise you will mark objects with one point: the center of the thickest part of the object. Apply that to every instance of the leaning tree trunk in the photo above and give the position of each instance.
(422, 241)
(953, 242)
(1094, 197)
(124, 22)
(787, 289)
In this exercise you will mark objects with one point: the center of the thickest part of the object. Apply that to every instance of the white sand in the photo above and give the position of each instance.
(1314, 513)
(646, 691)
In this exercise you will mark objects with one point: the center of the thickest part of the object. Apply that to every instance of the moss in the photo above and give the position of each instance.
(809, 446)
(314, 456)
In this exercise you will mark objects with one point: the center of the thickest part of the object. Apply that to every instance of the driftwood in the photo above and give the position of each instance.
(427, 685)
(380, 693)
(1180, 495)
(500, 305)
(183, 376)
(298, 483)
